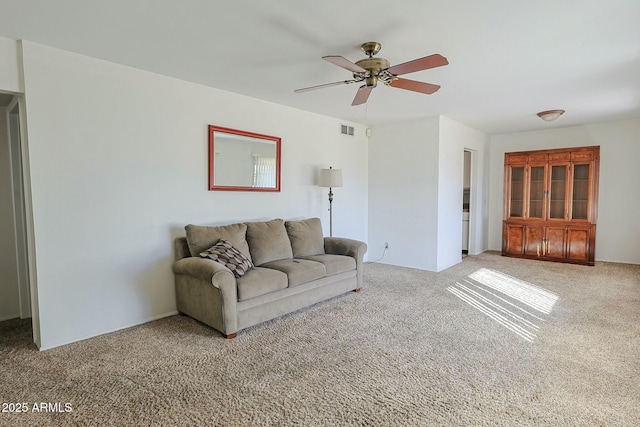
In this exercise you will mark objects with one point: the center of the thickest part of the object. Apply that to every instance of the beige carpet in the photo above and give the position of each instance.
(413, 348)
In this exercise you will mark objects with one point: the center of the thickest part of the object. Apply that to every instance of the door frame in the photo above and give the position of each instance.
(475, 214)
(18, 203)
(22, 206)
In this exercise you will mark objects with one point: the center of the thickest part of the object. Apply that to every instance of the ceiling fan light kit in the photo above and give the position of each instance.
(550, 115)
(371, 70)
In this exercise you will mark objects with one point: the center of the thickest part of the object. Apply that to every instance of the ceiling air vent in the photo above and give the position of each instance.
(346, 130)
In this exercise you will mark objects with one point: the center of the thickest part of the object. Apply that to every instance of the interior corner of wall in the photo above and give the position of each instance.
(20, 60)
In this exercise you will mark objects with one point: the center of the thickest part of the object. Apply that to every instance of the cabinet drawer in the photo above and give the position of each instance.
(516, 159)
(559, 157)
(538, 158)
(582, 155)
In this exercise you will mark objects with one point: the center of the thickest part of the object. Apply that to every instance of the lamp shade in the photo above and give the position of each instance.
(330, 177)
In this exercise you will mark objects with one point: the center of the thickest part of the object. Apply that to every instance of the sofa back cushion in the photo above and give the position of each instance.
(306, 237)
(268, 241)
(181, 248)
(201, 238)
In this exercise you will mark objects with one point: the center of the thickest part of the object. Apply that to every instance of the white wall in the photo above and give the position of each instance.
(415, 192)
(9, 68)
(9, 288)
(118, 161)
(403, 193)
(455, 138)
(618, 228)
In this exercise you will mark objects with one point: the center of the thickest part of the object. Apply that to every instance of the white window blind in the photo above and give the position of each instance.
(264, 172)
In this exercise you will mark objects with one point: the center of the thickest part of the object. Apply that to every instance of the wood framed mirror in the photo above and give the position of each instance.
(243, 161)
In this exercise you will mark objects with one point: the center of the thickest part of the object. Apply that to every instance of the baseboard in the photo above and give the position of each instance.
(65, 342)
(10, 317)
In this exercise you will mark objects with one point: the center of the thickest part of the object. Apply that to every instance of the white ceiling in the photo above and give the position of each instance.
(508, 59)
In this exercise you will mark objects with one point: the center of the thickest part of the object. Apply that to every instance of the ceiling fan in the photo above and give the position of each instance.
(372, 70)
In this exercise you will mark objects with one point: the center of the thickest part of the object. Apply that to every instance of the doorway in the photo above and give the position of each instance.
(15, 284)
(466, 198)
(20, 221)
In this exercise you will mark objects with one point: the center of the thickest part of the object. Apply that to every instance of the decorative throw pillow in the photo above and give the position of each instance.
(224, 253)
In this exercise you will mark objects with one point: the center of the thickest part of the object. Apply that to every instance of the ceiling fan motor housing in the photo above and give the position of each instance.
(374, 65)
(376, 69)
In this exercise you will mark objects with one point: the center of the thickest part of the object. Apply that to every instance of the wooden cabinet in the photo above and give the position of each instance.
(550, 204)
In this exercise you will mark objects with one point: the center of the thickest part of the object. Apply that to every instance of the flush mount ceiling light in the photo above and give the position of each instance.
(550, 115)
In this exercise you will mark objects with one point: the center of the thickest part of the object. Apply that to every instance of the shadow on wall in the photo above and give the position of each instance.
(155, 281)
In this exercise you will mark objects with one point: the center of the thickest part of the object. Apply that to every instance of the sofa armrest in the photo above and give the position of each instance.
(349, 247)
(343, 246)
(203, 269)
(206, 290)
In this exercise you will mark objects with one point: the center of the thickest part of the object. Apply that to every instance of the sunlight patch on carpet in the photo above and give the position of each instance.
(534, 296)
(509, 301)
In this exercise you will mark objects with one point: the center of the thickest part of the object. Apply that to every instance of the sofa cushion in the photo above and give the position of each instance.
(298, 271)
(259, 281)
(306, 237)
(224, 253)
(200, 238)
(334, 264)
(268, 241)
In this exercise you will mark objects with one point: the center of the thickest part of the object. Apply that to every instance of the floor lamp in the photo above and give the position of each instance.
(330, 178)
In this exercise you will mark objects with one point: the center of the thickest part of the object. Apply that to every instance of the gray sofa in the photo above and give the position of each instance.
(238, 275)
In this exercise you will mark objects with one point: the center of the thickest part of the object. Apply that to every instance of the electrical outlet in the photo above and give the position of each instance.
(386, 245)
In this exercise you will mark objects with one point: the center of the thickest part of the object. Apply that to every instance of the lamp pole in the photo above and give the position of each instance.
(330, 213)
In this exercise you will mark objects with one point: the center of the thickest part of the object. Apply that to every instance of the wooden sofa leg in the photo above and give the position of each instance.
(357, 289)
(230, 336)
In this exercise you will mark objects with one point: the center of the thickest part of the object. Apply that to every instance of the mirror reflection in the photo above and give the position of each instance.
(243, 161)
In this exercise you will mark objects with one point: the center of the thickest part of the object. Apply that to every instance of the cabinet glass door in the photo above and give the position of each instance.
(517, 192)
(536, 191)
(557, 191)
(580, 204)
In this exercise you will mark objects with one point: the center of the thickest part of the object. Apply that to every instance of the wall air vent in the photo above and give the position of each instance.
(346, 130)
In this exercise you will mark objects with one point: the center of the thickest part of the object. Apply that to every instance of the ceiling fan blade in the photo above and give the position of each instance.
(420, 64)
(344, 63)
(362, 95)
(306, 89)
(415, 86)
